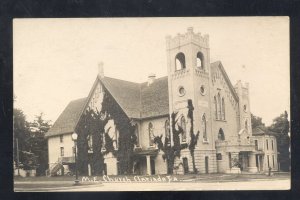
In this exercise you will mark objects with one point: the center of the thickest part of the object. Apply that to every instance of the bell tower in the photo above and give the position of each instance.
(188, 60)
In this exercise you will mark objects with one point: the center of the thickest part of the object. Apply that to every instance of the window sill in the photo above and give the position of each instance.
(221, 120)
(205, 141)
(137, 147)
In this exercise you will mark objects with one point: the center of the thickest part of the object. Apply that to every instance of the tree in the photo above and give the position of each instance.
(21, 136)
(194, 138)
(281, 127)
(38, 143)
(256, 121)
(93, 123)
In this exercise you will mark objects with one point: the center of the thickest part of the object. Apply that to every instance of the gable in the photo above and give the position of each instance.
(219, 76)
(68, 119)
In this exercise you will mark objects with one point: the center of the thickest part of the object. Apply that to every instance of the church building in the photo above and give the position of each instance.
(221, 119)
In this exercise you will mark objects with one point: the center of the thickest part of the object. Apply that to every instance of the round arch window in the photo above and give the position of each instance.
(202, 90)
(181, 91)
(245, 108)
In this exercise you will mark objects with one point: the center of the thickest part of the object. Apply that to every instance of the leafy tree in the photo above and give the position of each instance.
(256, 121)
(38, 143)
(21, 136)
(281, 127)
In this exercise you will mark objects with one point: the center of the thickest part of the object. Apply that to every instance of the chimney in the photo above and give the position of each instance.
(151, 78)
(190, 30)
(100, 70)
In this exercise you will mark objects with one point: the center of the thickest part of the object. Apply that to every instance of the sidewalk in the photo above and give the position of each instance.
(67, 182)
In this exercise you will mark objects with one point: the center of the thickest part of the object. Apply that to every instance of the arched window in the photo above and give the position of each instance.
(167, 130)
(223, 109)
(204, 127)
(180, 61)
(221, 135)
(151, 135)
(219, 106)
(200, 60)
(116, 139)
(246, 125)
(216, 107)
(183, 126)
(136, 131)
(90, 142)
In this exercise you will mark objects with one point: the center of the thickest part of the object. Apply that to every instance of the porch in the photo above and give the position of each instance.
(144, 161)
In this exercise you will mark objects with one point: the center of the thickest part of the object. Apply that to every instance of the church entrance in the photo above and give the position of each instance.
(243, 161)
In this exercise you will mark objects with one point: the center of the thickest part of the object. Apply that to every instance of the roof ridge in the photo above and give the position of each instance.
(120, 80)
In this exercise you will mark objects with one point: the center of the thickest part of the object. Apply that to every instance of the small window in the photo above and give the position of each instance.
(268, 161)
(62, 153)
(272, 144)
(221, 135)
(183, 126)
(267, 143)
(61, 138)
(256, 145)
(180, 61)
(216, 107)
(136, 129)
(273, 158)
(246, 125)
(219, 156)
(223, 109)
(202, 90)
(219, 107)
(204, 127)
(181, 91)
(245, 108)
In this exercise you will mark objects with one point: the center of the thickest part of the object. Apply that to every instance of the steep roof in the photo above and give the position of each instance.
(155, 98)
(68, 119)
(127, 95)
(140, 100)
(261, 131)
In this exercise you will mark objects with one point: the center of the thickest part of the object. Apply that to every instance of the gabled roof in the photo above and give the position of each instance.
(140, 100)
(260, 130)
(220, 66)
(127, 95)
(155, 98)
(68, 119)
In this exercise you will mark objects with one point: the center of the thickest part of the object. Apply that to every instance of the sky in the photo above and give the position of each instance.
(56, 60)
